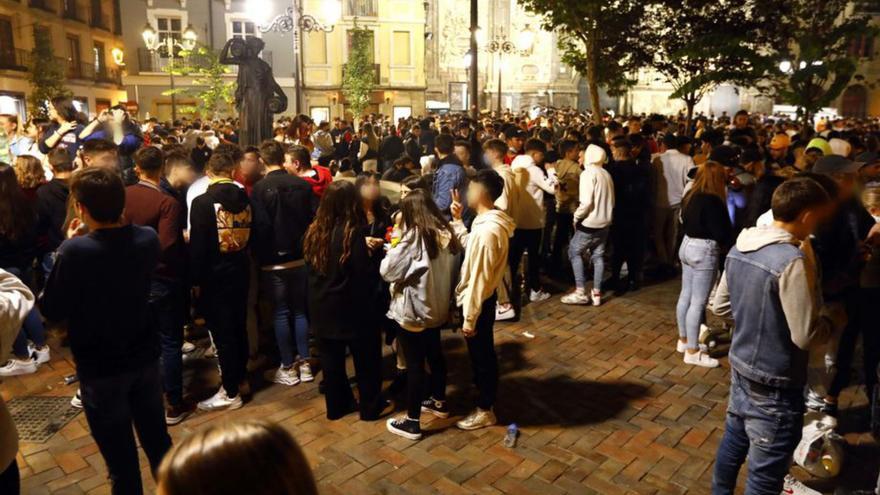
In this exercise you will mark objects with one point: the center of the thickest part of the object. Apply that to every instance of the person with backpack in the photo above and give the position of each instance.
(421, 270)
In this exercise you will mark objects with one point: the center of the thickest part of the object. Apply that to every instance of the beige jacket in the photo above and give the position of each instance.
(485, 259)
(568, 173)
(16, 300)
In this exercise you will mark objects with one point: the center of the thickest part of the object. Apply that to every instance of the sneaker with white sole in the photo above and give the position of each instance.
(283, 376)
(221, 401)
(538, 296)
(16, 367)
(405, 427)
(700, 358)
(576, 298)
(504, 312)
(40, 354)
(477, 419)
(77, 400)
(305, 372)
(436, 407)
(596, 297)
(680, 346)
(792, 486)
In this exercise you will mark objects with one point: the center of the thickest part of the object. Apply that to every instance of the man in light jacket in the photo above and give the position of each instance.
(16, 302)
(671, 170)
(592, 221)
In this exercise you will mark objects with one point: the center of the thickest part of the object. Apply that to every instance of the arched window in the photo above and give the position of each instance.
(854, 102)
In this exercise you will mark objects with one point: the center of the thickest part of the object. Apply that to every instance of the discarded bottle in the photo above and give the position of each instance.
(510, 436)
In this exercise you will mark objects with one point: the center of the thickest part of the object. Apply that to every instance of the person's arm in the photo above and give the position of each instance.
(169, 226)
(16, 301)
(92, 128)
(721, 302)
(362, 150)
(202, 220)
(545, 183)
(56, 295)
(444, 182)
(225, 57)
(799, 305)
(585, 189)
(485, 259)
(49, 143)
(397, 261)
(717, 221)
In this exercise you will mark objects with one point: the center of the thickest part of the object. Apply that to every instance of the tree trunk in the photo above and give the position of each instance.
(805, 126)
(690, 103)
(593, 85)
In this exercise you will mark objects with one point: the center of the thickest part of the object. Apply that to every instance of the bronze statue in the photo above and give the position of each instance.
(257, 96)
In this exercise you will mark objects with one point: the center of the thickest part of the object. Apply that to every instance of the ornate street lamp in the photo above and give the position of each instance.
(295, 21)
(504, 46)
(154, 44)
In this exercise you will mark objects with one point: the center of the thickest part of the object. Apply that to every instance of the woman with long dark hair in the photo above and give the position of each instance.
(421, 269)
(64, 130)
(342, 282)
(18, 248)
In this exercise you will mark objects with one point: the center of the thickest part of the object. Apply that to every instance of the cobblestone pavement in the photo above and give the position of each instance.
(602, 399)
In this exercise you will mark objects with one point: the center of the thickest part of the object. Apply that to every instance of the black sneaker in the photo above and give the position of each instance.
(436, 407)
(405, 427)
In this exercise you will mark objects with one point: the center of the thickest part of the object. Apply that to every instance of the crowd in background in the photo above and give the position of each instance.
(375, 232)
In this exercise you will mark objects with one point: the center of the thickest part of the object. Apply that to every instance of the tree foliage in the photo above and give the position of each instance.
(47, 75)
(601, 40)
(358, 77)
(810, 44)
(698, 45)
(210, 86)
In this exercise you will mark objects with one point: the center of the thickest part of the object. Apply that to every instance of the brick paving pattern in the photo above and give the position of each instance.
(603, 402)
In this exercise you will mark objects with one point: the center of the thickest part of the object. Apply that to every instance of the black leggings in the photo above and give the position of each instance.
(417, 348)
(9, 479)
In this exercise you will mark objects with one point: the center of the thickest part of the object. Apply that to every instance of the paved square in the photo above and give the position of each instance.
(604, 404)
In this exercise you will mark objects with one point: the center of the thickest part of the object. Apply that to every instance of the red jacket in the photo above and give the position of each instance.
(319, 180)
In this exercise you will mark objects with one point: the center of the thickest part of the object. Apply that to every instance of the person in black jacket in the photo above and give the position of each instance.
(391, 148)
(342, 281)
(219, 238)
(100, 286)
(52, 207)
(632, 186)
(284, 207)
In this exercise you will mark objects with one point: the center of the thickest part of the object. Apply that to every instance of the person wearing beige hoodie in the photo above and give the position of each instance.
(485, 259)
(16, 300)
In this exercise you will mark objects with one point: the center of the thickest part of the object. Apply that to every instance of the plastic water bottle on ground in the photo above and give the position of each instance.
(510, 436)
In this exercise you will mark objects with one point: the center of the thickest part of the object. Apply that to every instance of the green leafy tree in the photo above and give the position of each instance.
(810, 43)
(358, 77)
(599, 39)
(215, 91)
(47, 75)
(698, 44)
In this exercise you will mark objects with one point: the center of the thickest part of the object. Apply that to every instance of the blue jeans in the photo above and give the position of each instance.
(32, 327)
(595, 243)
(699, 265)
(169, 314)
(288, 288)
(763, 423)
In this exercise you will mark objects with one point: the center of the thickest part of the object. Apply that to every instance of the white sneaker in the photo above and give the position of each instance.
(794, 487)
(77, 400)
(577, 298)
(15, 367)
(538, 296)
(40, 354)
(477, 419)
(680, 346)
(187, 347)
(305, 372)
(700, 358)
(283, 376)
(596, 297)
(221, 401)
(504, 312)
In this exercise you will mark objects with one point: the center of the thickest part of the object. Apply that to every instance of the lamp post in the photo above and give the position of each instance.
(504, 46)
(295, 21)
(154, 44)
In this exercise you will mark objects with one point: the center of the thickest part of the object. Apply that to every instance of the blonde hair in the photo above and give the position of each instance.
(29, 171)
(871, 197)
(254, 457)
(711, 179)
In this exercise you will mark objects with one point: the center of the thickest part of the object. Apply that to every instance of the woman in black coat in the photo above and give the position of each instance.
(342, 281)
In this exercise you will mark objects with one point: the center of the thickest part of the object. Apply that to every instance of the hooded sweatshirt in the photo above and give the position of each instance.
(220, 233)
(421, 287)
(596, 191)
(795, 287)
(320, 179)
(485, 259)
(16, 301)
(536, 184)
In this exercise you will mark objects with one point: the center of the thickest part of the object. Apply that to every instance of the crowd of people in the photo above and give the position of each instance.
(133, 232)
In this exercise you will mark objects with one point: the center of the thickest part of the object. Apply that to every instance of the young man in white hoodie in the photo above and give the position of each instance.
(485, 259)
(592, 221)
(530, 222)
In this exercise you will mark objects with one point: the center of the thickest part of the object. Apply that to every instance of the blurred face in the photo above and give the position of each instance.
(32, 131)
(251, 166)
(53, 113)
(370, 190)
(463, 154)
(515, 144)
(475, 194)
(181, 175)
(846, 184)
(118, 115)
(538, 156)
(778, 153)
(741, 121)
(7, 126)
(104, 159)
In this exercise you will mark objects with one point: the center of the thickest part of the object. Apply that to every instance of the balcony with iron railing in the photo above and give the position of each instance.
(45, 5)
(101, 20)
(85, 71)
(376, 72)
(360, 8)
(157, 61)
(13, 59)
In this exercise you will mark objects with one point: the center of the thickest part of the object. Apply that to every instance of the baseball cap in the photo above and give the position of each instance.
(725, 155)
(836, 164)
(819, 144)
(780, 141)
(595, 155)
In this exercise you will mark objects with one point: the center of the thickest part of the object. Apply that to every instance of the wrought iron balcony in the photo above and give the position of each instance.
(12, 59)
